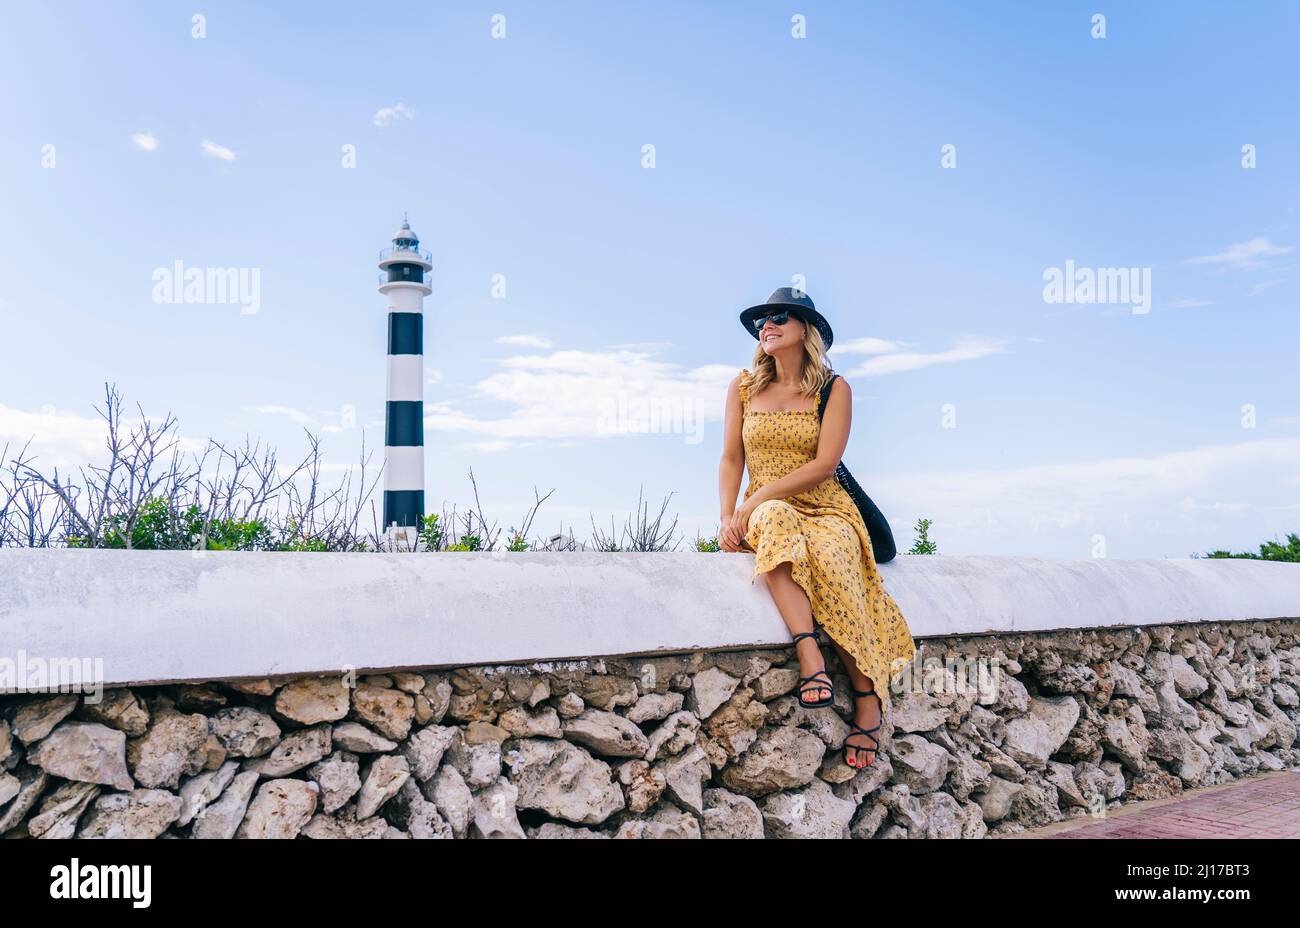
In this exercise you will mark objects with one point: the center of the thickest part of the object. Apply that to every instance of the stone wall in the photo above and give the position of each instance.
(994, 734)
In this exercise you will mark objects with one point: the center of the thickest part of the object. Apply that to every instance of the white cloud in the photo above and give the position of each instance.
(1188, 303)
(967, 348)
(1171, 504)
(387, 115)
(1242, 255)
(296, 416)
(525, 341)
(213, 150)
(865, 346)
(1263, 285)
(571, 395)
(66, 440)
(145, 141)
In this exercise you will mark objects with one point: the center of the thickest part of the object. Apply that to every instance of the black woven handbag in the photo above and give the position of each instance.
(882, 539)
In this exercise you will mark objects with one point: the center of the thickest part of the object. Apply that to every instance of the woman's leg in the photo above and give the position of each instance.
(866, 712)
(793, 604)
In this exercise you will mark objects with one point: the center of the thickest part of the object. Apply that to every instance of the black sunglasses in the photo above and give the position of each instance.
(780, 318)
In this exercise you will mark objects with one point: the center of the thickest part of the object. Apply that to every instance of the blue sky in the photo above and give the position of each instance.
(774, 156)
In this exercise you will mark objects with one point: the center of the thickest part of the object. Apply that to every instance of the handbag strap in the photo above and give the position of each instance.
(826, 394)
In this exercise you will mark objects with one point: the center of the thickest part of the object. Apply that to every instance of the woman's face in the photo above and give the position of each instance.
(775, 337)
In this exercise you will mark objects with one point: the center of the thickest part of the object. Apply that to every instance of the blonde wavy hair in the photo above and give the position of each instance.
(816, 366)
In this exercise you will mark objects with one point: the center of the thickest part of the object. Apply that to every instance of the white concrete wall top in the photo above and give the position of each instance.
(164, 616)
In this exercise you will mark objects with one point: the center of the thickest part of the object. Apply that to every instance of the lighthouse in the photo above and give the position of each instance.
(403, 283)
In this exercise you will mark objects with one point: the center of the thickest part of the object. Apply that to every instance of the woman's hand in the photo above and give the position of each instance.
(727, 539)
(738, 524)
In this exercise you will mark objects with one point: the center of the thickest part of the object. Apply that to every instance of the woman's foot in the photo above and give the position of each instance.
(860, 746)
(814, 681)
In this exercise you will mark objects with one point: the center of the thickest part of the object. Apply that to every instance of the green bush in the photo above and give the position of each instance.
(1269, 551)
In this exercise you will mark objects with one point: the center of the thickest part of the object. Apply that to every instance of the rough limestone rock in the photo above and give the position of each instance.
(775, 683)
(118, 708)
(995, 801)
(199, 791)
(525, 722)
(59, 811)
(685, 776)
(280, 809)
(221, 819)
(919, 763)
(1125, 742)
(666, 823)
(784, 758)
(554, 830)
(562, 780)
(381, 783)
(942, 816)
(493, 812)
(141, 813)
(425, 748)
(1188, 683)
(448, 791)
(31, 783)
(324, 827)
(36, 719)
(654, 706)
(355, 737)
(390, 712)
(1029, 742)
(711, 688)
(479, 764)
(675, 735)
(812, 812)
(642, 785)
(918, 712)
(296, 752)
(86, 752)
(607, 734)
(339, 779)
(1059, 714)
(1062, 777)
(174, 745)
(244, 731)
(414, 814)
(313, 700)
(730, 815)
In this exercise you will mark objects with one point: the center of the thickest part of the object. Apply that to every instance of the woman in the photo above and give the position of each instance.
(809, 540)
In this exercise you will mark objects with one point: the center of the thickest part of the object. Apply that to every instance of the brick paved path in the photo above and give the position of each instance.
(1263, 806)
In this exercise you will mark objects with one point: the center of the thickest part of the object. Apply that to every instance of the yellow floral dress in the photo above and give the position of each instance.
(821, 533)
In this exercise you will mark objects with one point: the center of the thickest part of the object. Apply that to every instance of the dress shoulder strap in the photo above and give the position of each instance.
(744, 389)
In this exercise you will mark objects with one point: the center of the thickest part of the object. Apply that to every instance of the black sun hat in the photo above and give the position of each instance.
(799, 303)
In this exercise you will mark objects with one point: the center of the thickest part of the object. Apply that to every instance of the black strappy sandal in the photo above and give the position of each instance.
(866, 732)
(813, 684)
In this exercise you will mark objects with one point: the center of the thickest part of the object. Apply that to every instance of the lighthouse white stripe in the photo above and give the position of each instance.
(405, 468)
(405, 377)
(405, 299)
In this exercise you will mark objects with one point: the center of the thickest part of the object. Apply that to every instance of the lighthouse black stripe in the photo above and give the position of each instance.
(405, 423)
(406, 272)
(405, 507)
(405, 333)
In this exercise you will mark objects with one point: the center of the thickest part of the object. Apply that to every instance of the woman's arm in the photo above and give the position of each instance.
(731, 467)
(830, 448)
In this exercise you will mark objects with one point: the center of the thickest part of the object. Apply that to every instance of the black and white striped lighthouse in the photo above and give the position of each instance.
(403, 282)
